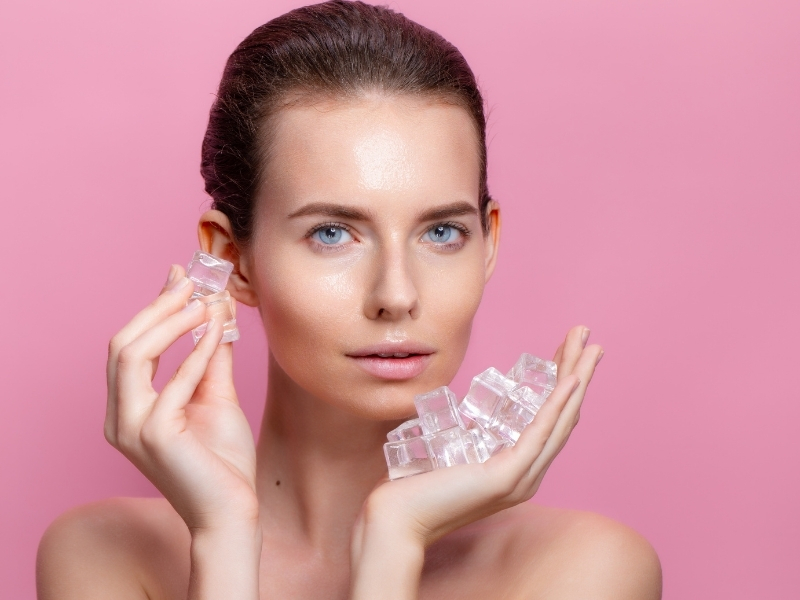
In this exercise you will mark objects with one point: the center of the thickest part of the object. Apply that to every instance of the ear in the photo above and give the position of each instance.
(492, 237)
(216, 237)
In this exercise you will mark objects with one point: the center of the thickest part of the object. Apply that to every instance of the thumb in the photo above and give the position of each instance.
(219, 373)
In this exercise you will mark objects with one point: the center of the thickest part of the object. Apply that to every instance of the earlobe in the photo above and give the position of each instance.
(492, 238)
(215, 235)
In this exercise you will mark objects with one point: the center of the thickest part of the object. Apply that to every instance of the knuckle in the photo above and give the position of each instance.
(109, 432)
(115, 345)
(505, 486)
(126, 355)
(184, 370)
(126, 438)
(125, 442)
(150, 435)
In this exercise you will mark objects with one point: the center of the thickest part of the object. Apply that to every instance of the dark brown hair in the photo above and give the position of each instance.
(338, 49)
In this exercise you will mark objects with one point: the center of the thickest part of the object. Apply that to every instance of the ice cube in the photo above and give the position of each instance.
(208, 273)
(407, 457)
(514, 413)
(536, 373)
(455, 446)
(485, 392)
(406, 431)
(477, 447)
(492, 443)
(219, 307)
(438, 410)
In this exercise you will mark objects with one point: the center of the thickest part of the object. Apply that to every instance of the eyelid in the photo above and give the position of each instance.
(457, 226)
(321, 226)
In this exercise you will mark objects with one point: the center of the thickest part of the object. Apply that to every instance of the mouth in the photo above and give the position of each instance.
(393, 362)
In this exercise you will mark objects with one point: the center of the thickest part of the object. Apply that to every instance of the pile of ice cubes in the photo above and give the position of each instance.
(490, 417)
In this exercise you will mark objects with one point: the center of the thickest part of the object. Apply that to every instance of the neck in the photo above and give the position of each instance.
(316, 466)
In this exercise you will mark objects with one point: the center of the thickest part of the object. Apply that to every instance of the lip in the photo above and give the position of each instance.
(393, 368)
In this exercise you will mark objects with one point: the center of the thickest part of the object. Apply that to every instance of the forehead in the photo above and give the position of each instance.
(373, 148)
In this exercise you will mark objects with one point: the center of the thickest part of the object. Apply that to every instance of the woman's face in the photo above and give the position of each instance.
(368, 259)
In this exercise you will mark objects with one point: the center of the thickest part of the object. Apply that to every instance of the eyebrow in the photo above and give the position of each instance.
(337, 211)
(455, 209)
(341, 211)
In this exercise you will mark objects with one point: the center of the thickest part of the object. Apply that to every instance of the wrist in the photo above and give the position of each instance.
(225, 562)
(387, 562)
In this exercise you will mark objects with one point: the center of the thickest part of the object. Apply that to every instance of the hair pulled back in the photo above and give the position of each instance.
(334, 49)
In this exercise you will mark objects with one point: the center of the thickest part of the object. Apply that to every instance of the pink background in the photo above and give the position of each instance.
(647, 155)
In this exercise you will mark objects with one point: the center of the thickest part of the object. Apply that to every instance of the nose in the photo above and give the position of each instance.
(393, 294)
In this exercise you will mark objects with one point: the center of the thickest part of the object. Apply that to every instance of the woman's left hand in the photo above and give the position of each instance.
(412, 513)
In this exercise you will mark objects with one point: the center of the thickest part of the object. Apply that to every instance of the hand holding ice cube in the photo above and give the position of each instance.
(428, 505)
(190, 439)
(491, 416)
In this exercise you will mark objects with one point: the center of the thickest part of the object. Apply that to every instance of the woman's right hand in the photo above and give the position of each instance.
(191, 439)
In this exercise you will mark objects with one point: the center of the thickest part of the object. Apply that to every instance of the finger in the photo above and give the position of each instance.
(573, 346)
(587, 363)
(175, 272)
(533, 439)
(171, 299)
(180, 389)
(559, 354)
(134, 361)
(219, 374)
(567, 417)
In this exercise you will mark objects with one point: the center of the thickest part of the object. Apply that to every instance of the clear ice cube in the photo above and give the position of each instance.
(477, 447)
(438, 410)
(536, 373)
(514, 413)
(407, 457)
(455, 446)
(492, 443)
(208, 273)
(218, 306)
(406, 431)
(484, 393)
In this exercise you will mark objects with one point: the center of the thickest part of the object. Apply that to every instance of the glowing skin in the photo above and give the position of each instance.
(378, 175)
(367, 264)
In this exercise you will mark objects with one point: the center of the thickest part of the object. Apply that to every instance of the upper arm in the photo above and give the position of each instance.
(93, 552)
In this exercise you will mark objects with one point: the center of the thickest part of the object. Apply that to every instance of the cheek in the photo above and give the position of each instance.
(305, 309)
(450, 298)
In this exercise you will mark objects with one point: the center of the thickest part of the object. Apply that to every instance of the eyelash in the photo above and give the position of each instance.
(333, 248)
(458, 227)
(326, 247)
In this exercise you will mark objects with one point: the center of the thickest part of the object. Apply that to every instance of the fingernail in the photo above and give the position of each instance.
(193, 305)
(172, 271)
(585, 336)
(179, 284)
(599, 357)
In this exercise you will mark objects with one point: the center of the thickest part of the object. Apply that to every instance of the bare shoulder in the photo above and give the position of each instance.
(587, 555)
(122, 547)
(547, 553)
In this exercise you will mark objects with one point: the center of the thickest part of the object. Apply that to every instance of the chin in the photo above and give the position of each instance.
(389, 400)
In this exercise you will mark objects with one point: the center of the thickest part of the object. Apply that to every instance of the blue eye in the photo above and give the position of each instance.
(441, 234)
(332, 235)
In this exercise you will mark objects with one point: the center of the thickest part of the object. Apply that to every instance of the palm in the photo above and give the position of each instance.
(215, 420)
(211, 453)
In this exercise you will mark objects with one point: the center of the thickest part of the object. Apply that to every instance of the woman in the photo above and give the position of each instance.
(346, 156)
